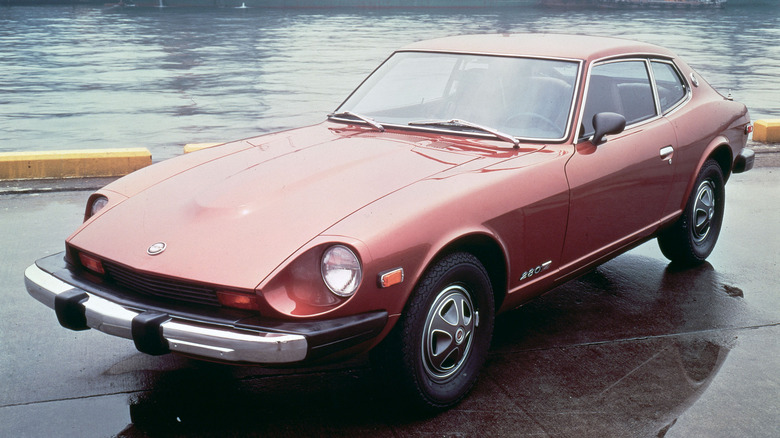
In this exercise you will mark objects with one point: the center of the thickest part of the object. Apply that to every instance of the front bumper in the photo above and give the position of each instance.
(227, 337)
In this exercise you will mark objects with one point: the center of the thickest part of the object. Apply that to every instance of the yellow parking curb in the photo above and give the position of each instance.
(73, 164)
(192, 147)
(766, 131)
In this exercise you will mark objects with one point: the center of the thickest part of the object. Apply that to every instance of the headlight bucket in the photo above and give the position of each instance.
(341, 270)
(304, 287)
(94, 205)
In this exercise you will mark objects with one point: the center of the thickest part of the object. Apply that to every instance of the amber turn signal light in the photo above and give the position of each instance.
(389, 278)
(237, 300)
(91, 263)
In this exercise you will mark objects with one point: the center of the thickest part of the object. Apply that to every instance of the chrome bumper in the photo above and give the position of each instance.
(208, 341)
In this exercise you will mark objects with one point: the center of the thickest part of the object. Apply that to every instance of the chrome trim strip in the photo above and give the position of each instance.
(188, 337)
(499, 54)
(653, 87)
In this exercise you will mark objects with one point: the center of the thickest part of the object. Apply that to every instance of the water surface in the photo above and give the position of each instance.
(92, 77)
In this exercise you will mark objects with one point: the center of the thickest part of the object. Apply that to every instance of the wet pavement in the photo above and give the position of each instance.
(634, 348)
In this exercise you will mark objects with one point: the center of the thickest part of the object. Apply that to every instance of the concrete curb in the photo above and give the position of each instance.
(88, 163)
(766, 131)
(72, 164)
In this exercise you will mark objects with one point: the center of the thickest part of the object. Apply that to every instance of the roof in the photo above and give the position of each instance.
(541, 45)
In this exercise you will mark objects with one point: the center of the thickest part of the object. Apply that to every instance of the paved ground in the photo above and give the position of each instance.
(634, 348)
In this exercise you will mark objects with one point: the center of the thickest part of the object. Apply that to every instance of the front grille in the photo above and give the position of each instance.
(160, 286)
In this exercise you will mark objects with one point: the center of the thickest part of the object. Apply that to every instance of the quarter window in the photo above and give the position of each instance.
(671, 88)
(619, 87)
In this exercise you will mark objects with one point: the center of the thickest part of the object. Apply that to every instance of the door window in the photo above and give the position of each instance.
(621, 87)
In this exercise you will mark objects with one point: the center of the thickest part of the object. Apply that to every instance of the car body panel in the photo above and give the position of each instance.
(617, 189)
(529, 235)
(258, 196)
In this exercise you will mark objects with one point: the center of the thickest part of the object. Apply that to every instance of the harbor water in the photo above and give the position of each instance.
(81, 77)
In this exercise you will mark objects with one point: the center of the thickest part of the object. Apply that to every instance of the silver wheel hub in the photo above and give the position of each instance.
(448, 332)
(460, 335)
(703, 211)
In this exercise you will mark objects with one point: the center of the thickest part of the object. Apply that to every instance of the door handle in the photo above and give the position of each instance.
(666, 153)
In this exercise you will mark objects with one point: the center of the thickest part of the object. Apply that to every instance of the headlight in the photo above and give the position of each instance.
(341, 270)
(95, 205)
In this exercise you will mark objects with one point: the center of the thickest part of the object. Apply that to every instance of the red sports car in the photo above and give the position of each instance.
(462, 178)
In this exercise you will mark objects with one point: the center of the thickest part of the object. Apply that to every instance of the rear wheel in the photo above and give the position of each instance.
(441, 341)
(692, 238)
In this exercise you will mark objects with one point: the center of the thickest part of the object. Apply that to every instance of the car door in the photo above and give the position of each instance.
(618, 188)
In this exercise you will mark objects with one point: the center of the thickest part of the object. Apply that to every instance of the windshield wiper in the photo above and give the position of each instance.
(369, 121)
(465, 124)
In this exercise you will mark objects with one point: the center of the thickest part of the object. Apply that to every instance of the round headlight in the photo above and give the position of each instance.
(341, 270)
(97, 204)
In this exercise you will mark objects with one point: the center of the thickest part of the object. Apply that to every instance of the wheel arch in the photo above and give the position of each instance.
(718, 150)
(723, 156)
(489, 252)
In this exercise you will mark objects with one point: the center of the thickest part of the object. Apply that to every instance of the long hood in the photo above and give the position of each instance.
(232, 220)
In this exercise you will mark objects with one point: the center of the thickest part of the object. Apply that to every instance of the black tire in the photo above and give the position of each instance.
(692, 238)
(435, 351)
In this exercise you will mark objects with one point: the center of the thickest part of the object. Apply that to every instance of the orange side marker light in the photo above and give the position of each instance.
(391, 277)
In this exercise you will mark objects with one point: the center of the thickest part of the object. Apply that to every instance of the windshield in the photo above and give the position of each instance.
(524, 97)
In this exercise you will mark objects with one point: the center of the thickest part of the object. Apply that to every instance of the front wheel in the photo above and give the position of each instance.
(692, 238)
(441, 341)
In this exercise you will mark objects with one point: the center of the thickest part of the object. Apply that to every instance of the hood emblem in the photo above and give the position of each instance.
(156, 248)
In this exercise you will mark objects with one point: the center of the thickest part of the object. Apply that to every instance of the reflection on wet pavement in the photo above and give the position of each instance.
(627, 298)
(623, 350)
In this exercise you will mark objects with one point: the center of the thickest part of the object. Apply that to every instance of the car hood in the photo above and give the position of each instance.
(232, 220)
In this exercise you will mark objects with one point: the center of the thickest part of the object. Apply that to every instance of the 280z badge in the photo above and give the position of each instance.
(156, 248)
(533, 271)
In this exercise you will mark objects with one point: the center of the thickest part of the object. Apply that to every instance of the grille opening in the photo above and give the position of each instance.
(160, 287)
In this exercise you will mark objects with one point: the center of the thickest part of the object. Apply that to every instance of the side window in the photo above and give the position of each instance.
(619, 87)
(671, 88)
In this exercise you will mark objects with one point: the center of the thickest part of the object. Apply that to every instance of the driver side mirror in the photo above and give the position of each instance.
(607, 123)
